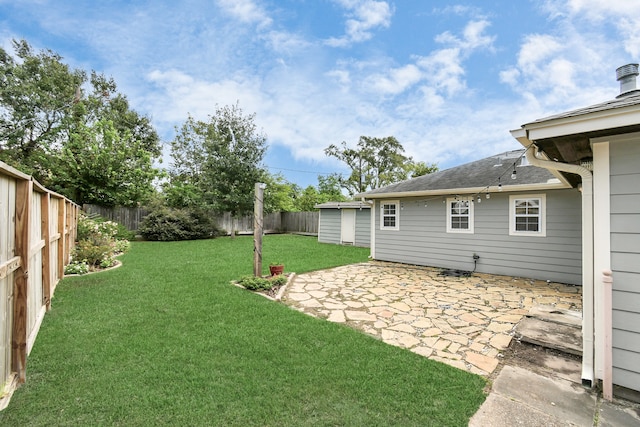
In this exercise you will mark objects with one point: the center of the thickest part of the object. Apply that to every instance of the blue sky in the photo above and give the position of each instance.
(447, 79)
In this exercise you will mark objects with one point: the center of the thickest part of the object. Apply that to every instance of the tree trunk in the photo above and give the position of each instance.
(233, 227)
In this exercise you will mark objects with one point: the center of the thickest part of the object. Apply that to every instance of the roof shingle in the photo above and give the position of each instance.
(478, 174)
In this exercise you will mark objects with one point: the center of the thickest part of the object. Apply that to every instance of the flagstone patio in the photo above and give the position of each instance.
(465, 322)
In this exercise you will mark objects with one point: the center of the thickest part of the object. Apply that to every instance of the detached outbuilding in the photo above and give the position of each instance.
(345, 223)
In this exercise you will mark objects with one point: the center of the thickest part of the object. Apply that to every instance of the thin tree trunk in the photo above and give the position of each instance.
(233, 227)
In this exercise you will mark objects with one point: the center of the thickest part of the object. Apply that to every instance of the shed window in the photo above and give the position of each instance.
(389, 215)
(527, 215)
(459, 216)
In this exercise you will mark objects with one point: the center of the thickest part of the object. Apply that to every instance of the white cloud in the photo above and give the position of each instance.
(573, 63)
(623, 15)
(246, 11)
(364, 16)
(396, 81)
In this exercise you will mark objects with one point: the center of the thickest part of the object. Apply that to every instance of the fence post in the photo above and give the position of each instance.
(258, 204)
(21, 281)
(45, 199)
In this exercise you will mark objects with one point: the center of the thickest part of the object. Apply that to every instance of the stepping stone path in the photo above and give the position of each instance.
(463, 321)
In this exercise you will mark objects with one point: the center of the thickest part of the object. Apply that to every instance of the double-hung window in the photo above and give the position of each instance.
(459, 216)
(390, 215)
(527, 215)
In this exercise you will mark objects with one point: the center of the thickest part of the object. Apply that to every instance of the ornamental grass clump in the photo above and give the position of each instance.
(98, 243)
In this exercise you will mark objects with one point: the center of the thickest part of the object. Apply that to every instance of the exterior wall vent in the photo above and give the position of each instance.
(626, 75)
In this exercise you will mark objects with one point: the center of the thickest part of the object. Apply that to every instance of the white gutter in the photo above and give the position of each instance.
(588, 375)
(552, 184)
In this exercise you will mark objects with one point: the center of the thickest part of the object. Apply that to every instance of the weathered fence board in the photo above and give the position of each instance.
(301, 222)
(129, 217)
(277, 222)
(37, 235)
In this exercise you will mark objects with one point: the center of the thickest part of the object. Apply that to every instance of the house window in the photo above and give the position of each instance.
(527, 215)
(459, 216)
(389, 216)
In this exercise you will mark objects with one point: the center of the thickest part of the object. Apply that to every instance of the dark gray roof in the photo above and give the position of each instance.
(478, 174)
(625, 101)
(343, 205)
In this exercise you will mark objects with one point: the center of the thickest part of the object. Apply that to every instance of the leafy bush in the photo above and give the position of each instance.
(254, 283)
(93, 251)
(77, 267)
(97, 243)
(169, 224)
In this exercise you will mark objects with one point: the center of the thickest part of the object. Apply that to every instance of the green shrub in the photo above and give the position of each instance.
(98, 242)
(254, 283)
(93, 251)
(123, 233)
(77, 267)
(122, 246)
(169, 224)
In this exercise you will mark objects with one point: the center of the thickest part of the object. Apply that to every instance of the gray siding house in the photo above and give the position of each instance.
(475, 217)
(597, 149)
(345, 223)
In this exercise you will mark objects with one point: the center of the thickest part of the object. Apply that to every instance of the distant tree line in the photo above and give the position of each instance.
(77, 135)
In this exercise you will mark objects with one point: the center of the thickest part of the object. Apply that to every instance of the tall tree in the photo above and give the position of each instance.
(221, 157)
(46, 120)
(374, 163)
(280, 195)
(37, 93)
(421, 168)
(99, 165)
(328, 190)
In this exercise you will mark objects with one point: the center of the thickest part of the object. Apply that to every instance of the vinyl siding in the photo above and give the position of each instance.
(329, 226)
(625, 261)
(363, 228)
(422, 238)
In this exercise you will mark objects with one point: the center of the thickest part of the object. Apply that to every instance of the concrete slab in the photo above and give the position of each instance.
(563, 367)
(550, 313)
(551, 335)
(555, 397)
(500, 411)
(619, 415)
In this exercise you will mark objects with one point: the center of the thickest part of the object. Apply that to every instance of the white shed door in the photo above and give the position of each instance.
(348, 226)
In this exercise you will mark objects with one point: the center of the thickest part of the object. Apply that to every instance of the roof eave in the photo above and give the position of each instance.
(588, 122)
(471, 190)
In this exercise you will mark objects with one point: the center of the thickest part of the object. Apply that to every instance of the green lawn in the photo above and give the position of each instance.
(166, 340)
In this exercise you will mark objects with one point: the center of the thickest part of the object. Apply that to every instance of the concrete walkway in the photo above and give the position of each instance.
(463, 321)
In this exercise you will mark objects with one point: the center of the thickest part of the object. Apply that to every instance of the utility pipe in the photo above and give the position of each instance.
(588, 305)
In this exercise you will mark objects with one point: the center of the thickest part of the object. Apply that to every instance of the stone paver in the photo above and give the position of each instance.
(462, 321)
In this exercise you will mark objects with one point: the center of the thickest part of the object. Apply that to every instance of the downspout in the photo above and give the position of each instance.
(588, 308)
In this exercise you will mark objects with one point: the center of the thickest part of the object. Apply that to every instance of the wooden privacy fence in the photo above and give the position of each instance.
(277, 222)
(129, 217)
(37, 234)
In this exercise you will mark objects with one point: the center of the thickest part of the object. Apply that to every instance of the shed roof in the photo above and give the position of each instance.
(475, 176)
(343, 205)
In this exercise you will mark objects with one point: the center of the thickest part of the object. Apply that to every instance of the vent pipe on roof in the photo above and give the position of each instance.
(626, 75)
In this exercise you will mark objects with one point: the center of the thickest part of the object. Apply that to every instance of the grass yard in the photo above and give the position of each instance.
(166, 340)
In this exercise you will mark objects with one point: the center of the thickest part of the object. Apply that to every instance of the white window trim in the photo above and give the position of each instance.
(469, 230)
(390, 202)
(543, 215)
